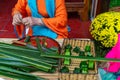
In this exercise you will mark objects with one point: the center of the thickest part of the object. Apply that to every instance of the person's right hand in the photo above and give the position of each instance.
(17, 19)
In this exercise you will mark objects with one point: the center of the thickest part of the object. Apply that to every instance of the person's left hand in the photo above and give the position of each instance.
(104, 65)
(31, 21)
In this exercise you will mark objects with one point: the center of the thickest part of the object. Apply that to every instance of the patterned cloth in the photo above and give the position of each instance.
(104, 75)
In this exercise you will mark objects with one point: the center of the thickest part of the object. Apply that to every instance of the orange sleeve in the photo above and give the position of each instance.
(20, 6)
(59, 22)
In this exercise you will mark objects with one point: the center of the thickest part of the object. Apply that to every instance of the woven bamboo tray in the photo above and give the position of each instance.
(92, 74)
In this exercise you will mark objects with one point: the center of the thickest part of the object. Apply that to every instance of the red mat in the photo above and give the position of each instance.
(79, 29)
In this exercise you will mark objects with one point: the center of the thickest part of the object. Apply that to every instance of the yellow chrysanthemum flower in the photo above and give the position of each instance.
(105, 27)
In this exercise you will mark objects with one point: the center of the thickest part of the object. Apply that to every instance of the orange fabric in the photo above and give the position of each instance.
(57, 24)
(19, 29)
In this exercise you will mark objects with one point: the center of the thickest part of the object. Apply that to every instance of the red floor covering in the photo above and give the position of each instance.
(79, 29)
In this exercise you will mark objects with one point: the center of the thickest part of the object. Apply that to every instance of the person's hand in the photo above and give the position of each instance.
(17, 19)
(31, 21)
(104, 65)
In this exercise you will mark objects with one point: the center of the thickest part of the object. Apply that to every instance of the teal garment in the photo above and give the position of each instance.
(114, 3)
(104, 75)
(42, 30)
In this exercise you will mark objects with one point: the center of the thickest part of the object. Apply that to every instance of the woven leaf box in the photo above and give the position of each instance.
(75, 63)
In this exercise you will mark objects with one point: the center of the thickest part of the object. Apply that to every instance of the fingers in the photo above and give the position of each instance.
(16, 23)
(27, 21)
(104, 65)
(17, 19)
(30, 21)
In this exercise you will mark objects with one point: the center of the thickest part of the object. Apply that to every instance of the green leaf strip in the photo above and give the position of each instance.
(82, 58)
